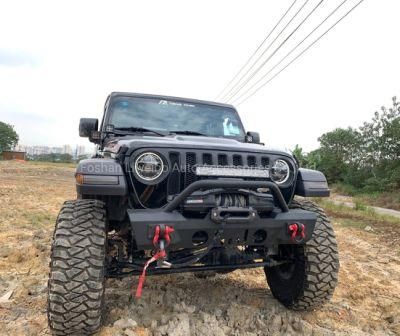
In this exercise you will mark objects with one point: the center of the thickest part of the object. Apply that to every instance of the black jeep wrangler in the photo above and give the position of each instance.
(177, 185)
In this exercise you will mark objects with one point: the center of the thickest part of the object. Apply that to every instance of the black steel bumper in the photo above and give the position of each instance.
(247, 228)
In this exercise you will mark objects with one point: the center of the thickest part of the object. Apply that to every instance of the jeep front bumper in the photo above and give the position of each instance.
(230, 226)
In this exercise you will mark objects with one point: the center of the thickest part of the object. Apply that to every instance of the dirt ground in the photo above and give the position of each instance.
(367, 299)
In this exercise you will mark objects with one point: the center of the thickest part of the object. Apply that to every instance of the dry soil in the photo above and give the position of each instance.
(367, 299)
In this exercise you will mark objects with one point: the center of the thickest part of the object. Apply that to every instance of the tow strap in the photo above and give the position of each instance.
(160, 244)
(158, 255)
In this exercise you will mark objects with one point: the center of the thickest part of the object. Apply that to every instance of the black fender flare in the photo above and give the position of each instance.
(100, 177)
(311, 183)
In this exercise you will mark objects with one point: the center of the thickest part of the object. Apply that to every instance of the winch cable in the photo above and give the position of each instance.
(302, 53)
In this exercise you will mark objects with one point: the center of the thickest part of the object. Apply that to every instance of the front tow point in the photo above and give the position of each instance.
(297, 232)
(161, 240)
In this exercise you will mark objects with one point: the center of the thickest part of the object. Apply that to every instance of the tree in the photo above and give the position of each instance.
(300, 156)
(381, 149)
(314, 159)
(8, 137)
(368, 158)
(340, 153)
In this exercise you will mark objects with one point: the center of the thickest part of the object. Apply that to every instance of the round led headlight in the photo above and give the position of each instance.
(149, 166)
(280, 171)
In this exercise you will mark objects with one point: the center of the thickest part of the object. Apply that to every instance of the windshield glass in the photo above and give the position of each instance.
(174, 115)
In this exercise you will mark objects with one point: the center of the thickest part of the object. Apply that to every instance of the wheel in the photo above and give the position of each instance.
(309, 280)
(77, 269)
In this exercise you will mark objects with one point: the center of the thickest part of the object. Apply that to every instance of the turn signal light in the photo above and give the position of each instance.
(79, 178)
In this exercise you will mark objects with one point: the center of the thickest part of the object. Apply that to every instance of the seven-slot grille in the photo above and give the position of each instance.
(186, 161)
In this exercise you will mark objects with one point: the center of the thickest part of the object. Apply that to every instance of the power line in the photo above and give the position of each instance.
(265, 50)
(299, 55)
(290, 52)
(256, 51)
(274, 52)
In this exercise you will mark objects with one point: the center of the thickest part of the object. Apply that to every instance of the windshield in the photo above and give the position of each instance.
(175, 116)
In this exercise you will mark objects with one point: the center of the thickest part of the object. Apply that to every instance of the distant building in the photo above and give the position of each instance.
(56, 150)
(35, 151)
(41, 150)
(13, 155)
(67, 149)
(80, 150)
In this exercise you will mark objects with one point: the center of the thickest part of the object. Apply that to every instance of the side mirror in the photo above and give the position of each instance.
(87, 126)
(253, 137)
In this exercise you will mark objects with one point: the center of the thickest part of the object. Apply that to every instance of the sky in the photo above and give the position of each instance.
(60, 59)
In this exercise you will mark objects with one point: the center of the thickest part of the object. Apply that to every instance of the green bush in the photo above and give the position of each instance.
(366, 159)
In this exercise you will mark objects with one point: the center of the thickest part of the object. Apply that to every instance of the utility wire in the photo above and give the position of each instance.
(274, 52)
(299, 55)
(264, 52)
(290, 52)
(256, 51)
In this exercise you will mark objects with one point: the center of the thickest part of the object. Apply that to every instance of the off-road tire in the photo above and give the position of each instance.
(77, 267)
(312, 277)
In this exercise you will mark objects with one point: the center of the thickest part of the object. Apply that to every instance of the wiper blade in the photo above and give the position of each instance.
(138, 129)
(187, 133)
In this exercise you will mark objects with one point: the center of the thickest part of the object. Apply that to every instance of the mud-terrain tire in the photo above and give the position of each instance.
(310, 280)
(76, 280)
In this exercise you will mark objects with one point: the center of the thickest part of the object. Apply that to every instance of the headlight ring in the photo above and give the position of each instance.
(149, 168)
(280, 171)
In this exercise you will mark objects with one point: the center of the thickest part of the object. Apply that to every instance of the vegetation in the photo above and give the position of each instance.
(53, 157)
(359, 216)
(365, 160)
(8, 137)
(59, 158)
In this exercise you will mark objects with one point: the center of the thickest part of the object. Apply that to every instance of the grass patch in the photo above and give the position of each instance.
(344, 189)
(52, 164)
(361, 213)
(353, 223)
(387, 199)
(360, 206)
(39, 219)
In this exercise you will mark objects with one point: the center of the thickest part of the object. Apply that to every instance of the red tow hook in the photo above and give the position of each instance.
(161, 238)
(297, 232)
(167, 231)
(156, 237)
(160, 244)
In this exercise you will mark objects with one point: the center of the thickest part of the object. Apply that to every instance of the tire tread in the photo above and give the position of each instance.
(77, 266)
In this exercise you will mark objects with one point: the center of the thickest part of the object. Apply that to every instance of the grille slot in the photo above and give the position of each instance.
(174, 185)
(190, 175)
(251, 161)
(237, 160)
(222, 160)
(264, 161)
(207, 159)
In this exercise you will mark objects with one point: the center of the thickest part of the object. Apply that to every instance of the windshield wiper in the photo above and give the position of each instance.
(187, 133)
(138, 129)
